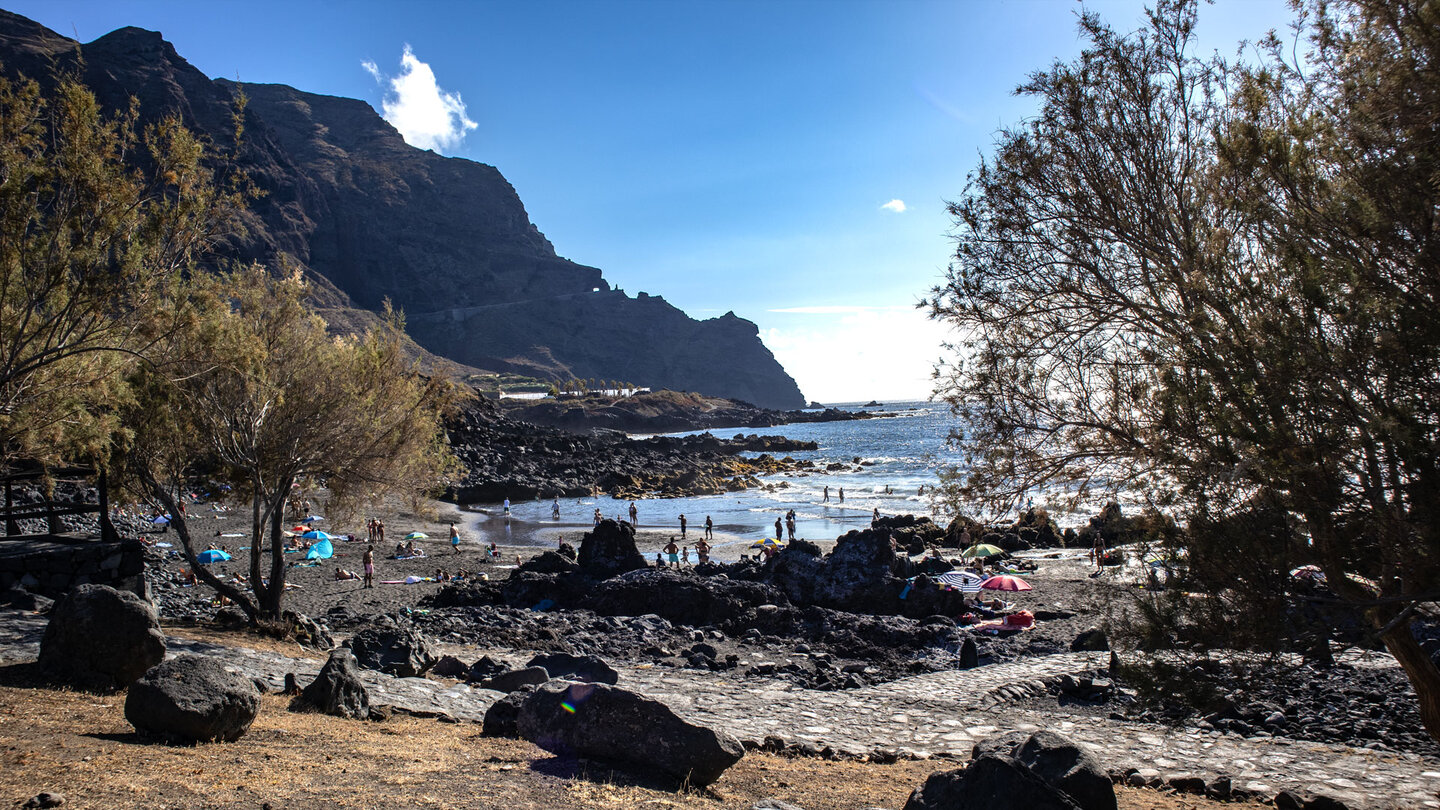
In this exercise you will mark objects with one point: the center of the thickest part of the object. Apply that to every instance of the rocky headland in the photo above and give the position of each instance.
(503, 457)
(663, 412)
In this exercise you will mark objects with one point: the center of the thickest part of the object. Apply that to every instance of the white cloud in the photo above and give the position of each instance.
(898, 206)
(414, 104)
(857, 353)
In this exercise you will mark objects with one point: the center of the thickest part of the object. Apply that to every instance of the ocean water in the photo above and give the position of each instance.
(902, 452)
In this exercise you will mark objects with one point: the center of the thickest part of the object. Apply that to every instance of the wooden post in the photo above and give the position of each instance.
(107, 528)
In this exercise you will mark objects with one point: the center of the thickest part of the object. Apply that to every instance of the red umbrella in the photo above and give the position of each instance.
(1004, 582)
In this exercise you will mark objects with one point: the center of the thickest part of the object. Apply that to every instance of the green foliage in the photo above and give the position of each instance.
(1215, 285)
(91, 252)
(256, 394)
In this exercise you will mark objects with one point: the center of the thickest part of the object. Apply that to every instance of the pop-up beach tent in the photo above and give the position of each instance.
(321, 550)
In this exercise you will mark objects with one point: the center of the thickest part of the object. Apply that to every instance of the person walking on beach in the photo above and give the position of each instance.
(598, 516)
(842, 494)
(369, 562)
(506, 509)
(634, 514)
(709, 528)
(826, 499)
(1097, 553)
(454, 539)
(682, 527)
(672, 553)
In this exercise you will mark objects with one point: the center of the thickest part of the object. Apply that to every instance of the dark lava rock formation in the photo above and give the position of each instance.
(447, 240)
(505, 458)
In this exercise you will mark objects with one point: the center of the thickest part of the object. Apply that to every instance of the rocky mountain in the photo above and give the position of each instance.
(447, 240)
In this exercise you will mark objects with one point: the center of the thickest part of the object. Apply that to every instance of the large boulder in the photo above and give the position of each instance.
(1060, 763)
(1069, 767)
(988, 783)
(609, 550)
(588, 668)
(502, 717)
(338, 689)
(100, 638)
(858, 575)
(515, 679)
(679, 597)
(399, 651)
(192, 698)
(610, 723)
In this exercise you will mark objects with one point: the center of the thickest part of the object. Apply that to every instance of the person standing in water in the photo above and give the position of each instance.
(826, 499)
(555, 508)
(598, 516)
(507, 508)
(634, 515)
(779, 535)
(672, 553)
(842, 494)
(709, 528)
(790, 523)
(682, 526)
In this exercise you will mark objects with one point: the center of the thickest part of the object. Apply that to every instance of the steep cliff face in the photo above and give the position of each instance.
(445, 239)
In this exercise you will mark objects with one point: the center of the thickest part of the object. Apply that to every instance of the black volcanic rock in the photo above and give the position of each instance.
(447, 240)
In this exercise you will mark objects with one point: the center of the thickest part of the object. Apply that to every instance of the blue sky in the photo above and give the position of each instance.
(732, 155)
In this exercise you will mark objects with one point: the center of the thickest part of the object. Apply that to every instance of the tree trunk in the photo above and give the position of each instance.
(202, 574)
(273, 603)
(1420, 669)
(257, 533)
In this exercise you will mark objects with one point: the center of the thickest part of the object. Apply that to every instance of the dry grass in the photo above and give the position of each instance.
(80, 745)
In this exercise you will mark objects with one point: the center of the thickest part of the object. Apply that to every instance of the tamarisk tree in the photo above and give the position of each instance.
(1215, 284)
(257, 395)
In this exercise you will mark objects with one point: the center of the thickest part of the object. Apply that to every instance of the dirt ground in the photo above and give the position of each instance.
(81, 746)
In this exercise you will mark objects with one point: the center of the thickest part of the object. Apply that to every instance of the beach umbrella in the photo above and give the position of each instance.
(213, 555)
(161, 519)
(982, 550)
(768, 542)
(1004, 582)
(964, 580)
(312, 519)
(316, 534)
(417, 536)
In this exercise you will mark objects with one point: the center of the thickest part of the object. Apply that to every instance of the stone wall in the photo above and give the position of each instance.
(52, 564)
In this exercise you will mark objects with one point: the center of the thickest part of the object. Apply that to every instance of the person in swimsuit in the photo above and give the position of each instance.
(672, 553)
(369, 562)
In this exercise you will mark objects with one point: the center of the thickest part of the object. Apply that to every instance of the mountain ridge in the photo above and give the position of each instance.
(447, 240)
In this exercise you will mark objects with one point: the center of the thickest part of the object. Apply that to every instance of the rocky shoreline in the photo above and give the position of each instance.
(506, 458)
